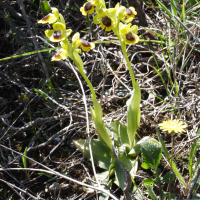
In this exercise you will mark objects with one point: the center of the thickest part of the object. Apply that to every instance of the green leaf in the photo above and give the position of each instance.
(24, 158)
(78, 60)
(97, 115)
(133, 114)
(45, 7)
(151, 154)
(120, 131)
(151, 193)
(196, 186)
(103, 196)
(103, 177)
(136, 149)
(101, 153)
(148, 182)
(130, 164)
(193, 150)
(166, 178)
(166, 194)
(47, 175)
(196, 196)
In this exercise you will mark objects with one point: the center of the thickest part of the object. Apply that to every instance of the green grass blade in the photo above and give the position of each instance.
(193, 151)
(29, 53)
(164, 8)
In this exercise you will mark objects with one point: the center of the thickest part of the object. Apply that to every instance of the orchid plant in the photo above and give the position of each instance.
(123, 152)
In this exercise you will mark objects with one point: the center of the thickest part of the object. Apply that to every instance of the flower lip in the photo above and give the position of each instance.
(130, 36)
(57, 34)
(46, 17)
(57, 54)
(129, 11)
(61, 54)
(88, 6)
(85, 43)
(106, 21)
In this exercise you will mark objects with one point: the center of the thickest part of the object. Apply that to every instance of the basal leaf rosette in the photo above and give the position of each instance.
(129, 33)
(51, 17)
(85, 45)
(106, 18)
(58, 33)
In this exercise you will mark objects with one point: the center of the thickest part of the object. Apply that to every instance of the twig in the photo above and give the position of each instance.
(14, 186)
(33, 38)
(87, 127)
(196, 39)
(51, 171)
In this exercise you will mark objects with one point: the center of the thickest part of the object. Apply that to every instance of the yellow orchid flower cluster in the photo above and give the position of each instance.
(112, 18)
(61, 34)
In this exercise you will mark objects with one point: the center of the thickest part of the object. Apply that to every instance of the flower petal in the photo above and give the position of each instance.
(134, 29)
(49, 33)
(97, 19)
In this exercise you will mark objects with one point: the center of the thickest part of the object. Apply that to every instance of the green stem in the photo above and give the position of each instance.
(123, 46)
(159, 184)
(170, 190)
(85, 77)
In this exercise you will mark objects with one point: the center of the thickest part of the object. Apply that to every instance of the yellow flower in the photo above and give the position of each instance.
(61, 54)
(173, 126)
(51, 17)
(129, 33)
(58, 33)
(85, 45)
(130, 12)
(106, 19)
(88, 8)
(129, 15)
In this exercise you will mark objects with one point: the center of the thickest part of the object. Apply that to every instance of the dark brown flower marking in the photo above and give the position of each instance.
(106, 21)
(129, 11)
(46, 17)
(88, 6)
(57, 34)
(85, 43)
(130, 36)
(57, 54)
